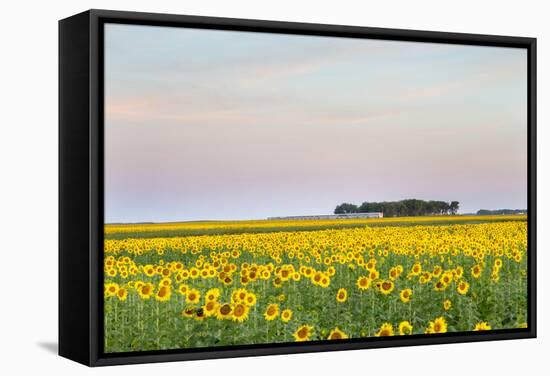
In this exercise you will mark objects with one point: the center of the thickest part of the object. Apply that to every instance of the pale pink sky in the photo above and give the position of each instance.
(203, 124)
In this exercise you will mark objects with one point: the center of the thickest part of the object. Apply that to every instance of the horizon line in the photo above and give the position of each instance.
(289, 216)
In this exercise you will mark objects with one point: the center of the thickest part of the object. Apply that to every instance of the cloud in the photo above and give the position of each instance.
(484, 75)
(155, 111)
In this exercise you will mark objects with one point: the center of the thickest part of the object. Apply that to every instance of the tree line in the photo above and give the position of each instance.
(403, 208)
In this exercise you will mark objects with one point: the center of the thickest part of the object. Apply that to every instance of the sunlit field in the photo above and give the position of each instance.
(122, 231)
(203, 284)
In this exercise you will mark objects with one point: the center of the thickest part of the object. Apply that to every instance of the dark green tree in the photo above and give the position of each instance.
(403, 208)
(345, 208)
(454, 207)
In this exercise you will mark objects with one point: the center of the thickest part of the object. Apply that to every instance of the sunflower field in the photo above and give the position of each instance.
(287, 281)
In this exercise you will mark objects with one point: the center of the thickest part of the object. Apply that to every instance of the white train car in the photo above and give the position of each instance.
(331, 216)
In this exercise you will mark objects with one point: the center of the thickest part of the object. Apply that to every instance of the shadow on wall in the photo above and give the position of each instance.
(50, 347)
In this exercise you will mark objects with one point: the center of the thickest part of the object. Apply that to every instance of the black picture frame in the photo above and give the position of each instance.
(81, 184)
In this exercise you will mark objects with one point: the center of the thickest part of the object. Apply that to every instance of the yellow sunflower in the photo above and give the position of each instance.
(286, 315)
(271, 312)
(210, 308)
(193, 296)
(363, 283)
(316, 278)
(386, 330)
(163, 293)
(337, 334)
(447, 278)
(194, 273)
(238, 296)
(425, 278)
(110, 289)
(440, 285)
(325, 282)
(342, 295)
(146, 290)
(416, 269)
(386, 287)
(212, 295)
(277, 282)
(224, 311)
(447, 305)
(439, 325)
(371, 264)
(374, 274)
(463, 287)
(188, 312)
(240, 312)
(303, 333)
(250, 299)
(122, 294)
(476, 271)
(405, 328)
(149, 270)
(394, 273)
(459, 271)
(183, 289)
(482, 326)
(405, 295)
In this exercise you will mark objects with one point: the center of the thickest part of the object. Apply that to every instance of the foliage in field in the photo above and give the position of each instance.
(216, 290)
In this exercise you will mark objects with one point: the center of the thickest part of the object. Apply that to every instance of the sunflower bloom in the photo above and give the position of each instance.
(224, 311)
(386, 330)
(439, 325)
(303, 333)
(386, 287)
(463, 287)
(337, 334)
(271, 312)
(405, 295)
(193, 296)
(405, 328)
(122, 294)
(163, 294)
(286, 315)
(146, 291)
(212, 295)
(210, 308)
(110, 289)
(342, 295)
(363, 283)
(482, 326)
(240, 312)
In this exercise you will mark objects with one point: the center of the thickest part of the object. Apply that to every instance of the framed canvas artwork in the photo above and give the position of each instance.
(234, 187)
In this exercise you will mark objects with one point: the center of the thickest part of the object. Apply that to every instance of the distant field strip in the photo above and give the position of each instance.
(119, 231)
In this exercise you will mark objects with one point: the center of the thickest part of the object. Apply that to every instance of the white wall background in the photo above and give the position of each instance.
(28, 187)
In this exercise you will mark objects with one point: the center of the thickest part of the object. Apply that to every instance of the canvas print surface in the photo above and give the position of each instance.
(268, 188)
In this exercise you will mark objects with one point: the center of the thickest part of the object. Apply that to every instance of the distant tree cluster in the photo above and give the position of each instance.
(501, 212)
(403, 208)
